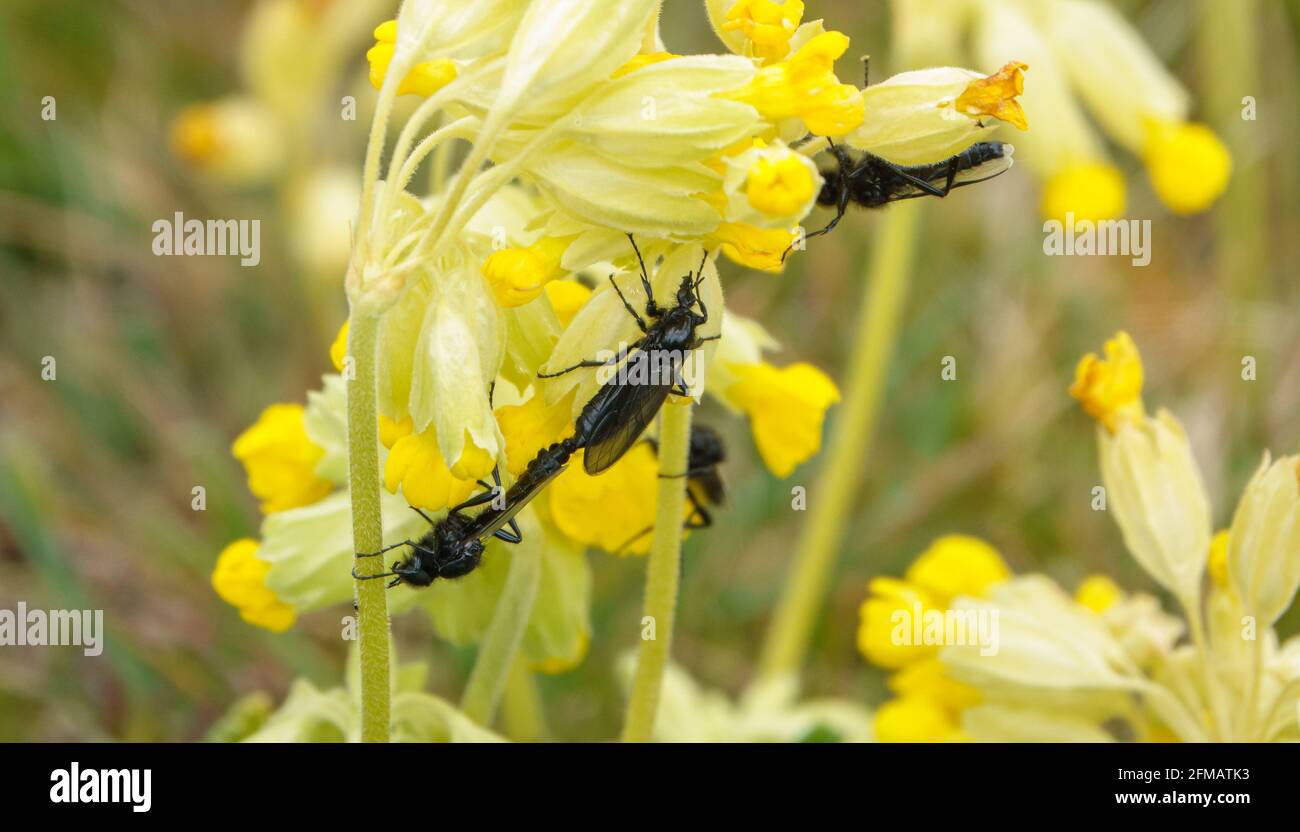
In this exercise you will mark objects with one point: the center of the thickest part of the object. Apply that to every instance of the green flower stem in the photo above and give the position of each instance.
(522, 712)
(832, 496)
(367, 527)
(1205, 658)
(1228, 42)
(662, 574)
(501, 644)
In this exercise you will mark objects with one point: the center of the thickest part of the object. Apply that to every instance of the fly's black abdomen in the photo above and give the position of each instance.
(830, 191)
(981, 152)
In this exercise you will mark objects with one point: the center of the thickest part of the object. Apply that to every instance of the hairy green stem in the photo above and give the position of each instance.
(522, 712)
(367, 527)
(662, 574)
(832, 496)
(500, 646)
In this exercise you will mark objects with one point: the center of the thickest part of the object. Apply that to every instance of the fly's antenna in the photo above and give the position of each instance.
(699, 273)
(645, 276)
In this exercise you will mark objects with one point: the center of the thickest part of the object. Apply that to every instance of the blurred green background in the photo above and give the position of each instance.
(162, 361)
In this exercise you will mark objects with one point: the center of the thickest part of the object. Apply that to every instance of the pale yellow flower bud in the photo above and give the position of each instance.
(928, 115)
(1155, 492)
(1264, 543)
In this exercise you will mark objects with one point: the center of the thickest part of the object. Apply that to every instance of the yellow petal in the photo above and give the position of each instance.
(1091, 191)
(567, 297)
(885, 623)
(643, 59)
(914, 719)
(804, 86)
(517, 275)
(532, 426)
(239, 577)
(1098, 593)
(1188, 164)
(424, 79)
(786, 407)
(748, 245)
(390, 430)
(929, 679)
(1218, 563)
(339, 349)
(1110, 389)
(611, 509)
(280, 460)
(996, 95)
(416, 466)
(767, 24)
(779, 188)
(474, 463)
(957, 564)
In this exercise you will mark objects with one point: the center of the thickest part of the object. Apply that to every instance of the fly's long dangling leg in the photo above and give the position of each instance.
(591, 362)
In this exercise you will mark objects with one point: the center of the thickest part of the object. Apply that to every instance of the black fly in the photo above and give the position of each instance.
(454, 546)
(873, 182)
(616, 416)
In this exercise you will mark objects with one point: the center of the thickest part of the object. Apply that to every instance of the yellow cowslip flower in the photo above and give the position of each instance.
(416, 465)
(234, 139)
(1217, 564)
(779, 188)
(751, 246)
(566, 297)
(240, 579)
(766, 24)
(424, 79)
(609, 510)
(532, 426)
(1153, 485)
(928, 679)
(1188, 164)
(339, 349)
(804, 86)
(930, 701)
(280, 459)
(786, 407)
(1098, 593)
(890, 601)
(766, 185)
(996, 96)
(915, 719)
(957, 564)
(1110, 389)
(1092, 190)
(518, 275)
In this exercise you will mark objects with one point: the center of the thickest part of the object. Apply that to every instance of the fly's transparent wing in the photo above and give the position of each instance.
(628, 414)
(492, 521)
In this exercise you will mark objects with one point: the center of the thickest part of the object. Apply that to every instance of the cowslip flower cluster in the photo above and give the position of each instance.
(582, 129)
(1111, 665)
(1086, 58)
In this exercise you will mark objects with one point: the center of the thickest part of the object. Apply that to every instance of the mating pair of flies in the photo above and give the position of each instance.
(606, 428)
(616, 416)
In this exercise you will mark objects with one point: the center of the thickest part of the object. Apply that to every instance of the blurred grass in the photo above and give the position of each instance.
(162, 361)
